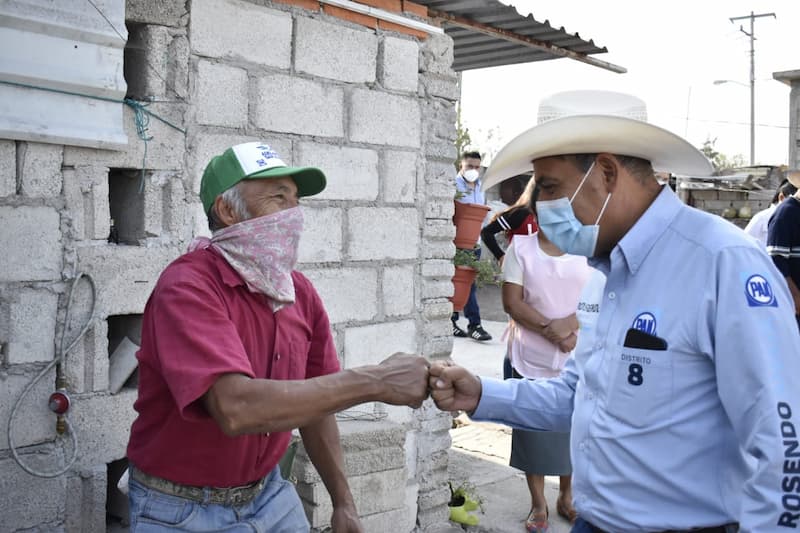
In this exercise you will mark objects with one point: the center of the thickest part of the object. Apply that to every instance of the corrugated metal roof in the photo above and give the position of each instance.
(478, 47)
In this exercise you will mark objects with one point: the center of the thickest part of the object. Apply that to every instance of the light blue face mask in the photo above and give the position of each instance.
(558, 222)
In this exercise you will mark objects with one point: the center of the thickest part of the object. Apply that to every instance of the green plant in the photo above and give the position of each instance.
(488, 270)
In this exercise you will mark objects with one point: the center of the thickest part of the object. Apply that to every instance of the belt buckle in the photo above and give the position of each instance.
(236, 497)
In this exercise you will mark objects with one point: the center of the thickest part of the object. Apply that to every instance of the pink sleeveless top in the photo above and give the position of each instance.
(552, 286)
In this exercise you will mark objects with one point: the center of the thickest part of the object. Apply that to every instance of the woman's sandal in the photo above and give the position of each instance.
(537, 525)
(567, 512)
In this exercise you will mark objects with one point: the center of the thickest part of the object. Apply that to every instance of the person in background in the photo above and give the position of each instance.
(236, 352)
(758, 227)
(681, 397)
(783, 240)
(541, 286)
(470, 191)
(515, 220)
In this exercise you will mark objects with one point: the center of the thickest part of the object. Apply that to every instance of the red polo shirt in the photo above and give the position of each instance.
(201, 322)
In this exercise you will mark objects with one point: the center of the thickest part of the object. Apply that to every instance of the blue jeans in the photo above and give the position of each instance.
(276, 509)
(581, 526)
(471, 310)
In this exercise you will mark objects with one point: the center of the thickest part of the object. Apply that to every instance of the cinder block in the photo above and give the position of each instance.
(399, 175)
(30, 503)
(396, 520)
(433, 442)
(739, 196)
(104, 423)
(436, 208)
(436, 310)
(410, 447)
(441, 87)
(440, 172)
(368, 345)
(31, 244)
(348, 54)
(206, 145)
(437, 268)
(33, 421)
(165, 151)
(124, 275)
(87, 364)
(437, 54)
(296, 105)
(322, 235)
(221, 95)
(437, 346)
(371, 113)
(383, 233)
(436, 288)
(157, 193)
(438, 250)
(352, 173)
(86, 500)
(178, 65)
(437, 229)
(33, 326)
(348, 293)
(398, 290)
(263, 36)
(399, 66)
(374, 492)
(163, 12)
(146, 62)
(707, 194)
(40, 169)
(175, 208)
(367, 446)
(86, 195)
(8, 168)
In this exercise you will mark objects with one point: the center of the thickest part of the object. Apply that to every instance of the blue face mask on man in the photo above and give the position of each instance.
(558, 222)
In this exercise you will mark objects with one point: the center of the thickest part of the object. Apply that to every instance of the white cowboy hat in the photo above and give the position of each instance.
(794, 177)
(590, 122)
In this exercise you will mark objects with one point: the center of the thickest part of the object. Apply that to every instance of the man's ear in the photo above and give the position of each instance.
(610, 168)
(225, 213)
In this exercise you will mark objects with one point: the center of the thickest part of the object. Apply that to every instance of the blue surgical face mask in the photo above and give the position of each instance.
(558, 222)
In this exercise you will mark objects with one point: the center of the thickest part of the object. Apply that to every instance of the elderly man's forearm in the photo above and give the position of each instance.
(242, 405)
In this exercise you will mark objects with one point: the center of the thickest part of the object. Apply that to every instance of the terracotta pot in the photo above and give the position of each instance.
(468, 219)
(463, 279)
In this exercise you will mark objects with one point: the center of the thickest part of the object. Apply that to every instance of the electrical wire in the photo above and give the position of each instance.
(60, 358)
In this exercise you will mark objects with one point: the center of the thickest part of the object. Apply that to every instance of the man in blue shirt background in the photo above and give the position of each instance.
(470, 191)
(783, 240)
(682, 396)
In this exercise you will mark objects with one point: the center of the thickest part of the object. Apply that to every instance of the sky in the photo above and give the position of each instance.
(674, 51)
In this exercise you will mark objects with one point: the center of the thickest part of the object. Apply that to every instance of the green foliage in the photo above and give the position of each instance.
(719, 160)
(463, 140)
(488, 270)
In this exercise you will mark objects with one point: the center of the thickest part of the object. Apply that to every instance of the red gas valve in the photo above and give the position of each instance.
(59, 402)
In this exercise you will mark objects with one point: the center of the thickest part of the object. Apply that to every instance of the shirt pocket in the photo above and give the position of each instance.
(640, 390)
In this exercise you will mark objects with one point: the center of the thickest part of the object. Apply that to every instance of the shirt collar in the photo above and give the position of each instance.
(229, 276)
(640, 239)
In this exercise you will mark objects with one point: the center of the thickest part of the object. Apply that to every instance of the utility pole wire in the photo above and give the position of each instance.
(752, 16)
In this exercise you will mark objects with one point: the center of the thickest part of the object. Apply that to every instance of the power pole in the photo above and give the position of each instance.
(752, 16)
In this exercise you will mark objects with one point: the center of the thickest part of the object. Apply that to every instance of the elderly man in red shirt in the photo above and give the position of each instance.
(236, 352)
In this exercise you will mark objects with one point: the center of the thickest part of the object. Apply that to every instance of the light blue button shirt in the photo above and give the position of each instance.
(703, 433)
(471, 195)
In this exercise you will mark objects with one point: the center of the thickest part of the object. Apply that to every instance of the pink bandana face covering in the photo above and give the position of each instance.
(263, 251)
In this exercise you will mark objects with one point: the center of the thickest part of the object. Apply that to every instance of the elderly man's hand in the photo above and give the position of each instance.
(405, 378)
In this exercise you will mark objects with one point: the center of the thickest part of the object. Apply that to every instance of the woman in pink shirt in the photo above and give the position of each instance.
(541, 287)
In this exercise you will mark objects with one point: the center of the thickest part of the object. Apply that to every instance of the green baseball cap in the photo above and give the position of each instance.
(250, 161)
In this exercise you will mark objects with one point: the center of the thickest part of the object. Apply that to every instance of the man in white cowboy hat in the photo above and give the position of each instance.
(236, 352)
(682, 396)
(783, 240)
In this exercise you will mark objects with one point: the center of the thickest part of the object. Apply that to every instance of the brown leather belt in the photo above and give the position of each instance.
(221, 496)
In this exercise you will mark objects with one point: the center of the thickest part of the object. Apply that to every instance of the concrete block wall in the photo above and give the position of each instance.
(369, 102)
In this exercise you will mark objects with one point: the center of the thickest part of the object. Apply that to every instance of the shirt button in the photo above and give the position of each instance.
(612, 295)
(277, 357)
(582, 446)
